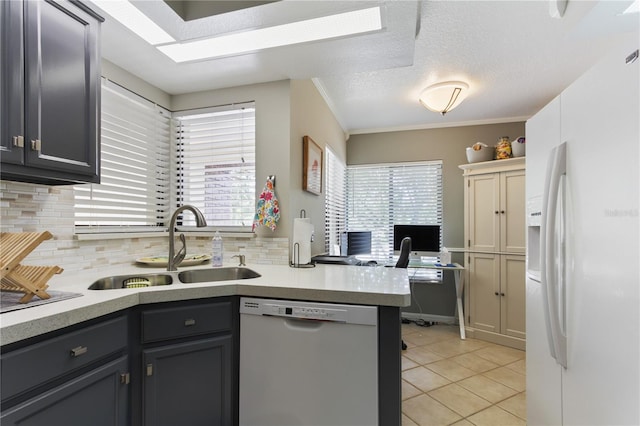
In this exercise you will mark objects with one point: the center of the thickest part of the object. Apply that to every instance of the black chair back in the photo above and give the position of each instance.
(405, 251)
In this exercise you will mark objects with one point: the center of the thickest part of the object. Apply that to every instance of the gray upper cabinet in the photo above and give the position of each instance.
(50, 92)
(12, 82)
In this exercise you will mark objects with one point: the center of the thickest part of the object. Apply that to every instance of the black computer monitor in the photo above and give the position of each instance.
(353, 243)
(425, 239)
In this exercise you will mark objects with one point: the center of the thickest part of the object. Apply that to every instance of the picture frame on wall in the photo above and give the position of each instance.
(311, 166)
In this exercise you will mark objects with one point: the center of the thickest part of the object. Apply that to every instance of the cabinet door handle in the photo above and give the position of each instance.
(501, 294)
(36, 145)
(189, 322)
(502, 211)
(125, 378)
(496, 293)
(497, 212)
(18, 141)
(80, 350)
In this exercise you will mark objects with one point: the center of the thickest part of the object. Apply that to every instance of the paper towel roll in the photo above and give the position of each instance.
(302, 232)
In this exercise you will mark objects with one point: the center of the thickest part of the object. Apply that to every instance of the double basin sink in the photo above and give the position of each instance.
(185, 277)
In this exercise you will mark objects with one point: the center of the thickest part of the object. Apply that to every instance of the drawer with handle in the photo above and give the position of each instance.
(36, 364)
(176, 322)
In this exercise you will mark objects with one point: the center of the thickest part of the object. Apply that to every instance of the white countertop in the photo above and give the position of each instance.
(325, 283)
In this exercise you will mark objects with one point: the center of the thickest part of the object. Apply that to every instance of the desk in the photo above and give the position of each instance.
(459, 281)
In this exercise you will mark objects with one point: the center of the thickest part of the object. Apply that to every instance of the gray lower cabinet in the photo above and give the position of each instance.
(188, 364)
(49, 92)
(78, 376)
(173, 363)
(188, 383)
(95, 398)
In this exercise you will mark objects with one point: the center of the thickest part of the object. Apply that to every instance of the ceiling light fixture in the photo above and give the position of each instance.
(132, 18)
(443, 97)
(326, 27)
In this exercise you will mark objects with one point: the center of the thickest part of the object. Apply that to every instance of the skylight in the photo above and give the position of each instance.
(132, 18)
(339, 25)
(323, 28)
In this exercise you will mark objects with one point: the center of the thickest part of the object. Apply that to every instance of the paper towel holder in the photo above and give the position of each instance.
(303, 215)
(295, 262)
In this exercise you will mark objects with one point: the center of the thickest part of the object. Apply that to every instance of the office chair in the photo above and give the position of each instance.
(403, 262)
(405, 251)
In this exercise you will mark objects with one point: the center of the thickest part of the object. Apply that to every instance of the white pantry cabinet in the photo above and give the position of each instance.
(498, 293)
(495, 246)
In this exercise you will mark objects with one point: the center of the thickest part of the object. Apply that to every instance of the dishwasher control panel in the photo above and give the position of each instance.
(305, 312)
(351, 314)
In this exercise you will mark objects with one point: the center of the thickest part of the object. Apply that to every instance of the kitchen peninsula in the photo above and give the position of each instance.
(131, 326)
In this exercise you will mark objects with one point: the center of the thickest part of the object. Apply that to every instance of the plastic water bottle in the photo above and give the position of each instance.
(216, 245)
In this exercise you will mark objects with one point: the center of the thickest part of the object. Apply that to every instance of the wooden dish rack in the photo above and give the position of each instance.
(30, 280)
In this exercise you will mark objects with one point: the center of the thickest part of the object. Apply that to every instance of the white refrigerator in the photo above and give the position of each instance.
(583, 276)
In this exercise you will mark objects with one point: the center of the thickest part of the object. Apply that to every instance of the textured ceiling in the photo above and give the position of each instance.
(514, 56)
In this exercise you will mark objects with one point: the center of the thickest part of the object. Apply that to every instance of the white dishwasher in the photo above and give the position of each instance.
(308, 364)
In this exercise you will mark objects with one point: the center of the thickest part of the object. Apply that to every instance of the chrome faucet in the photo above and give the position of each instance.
(174, 260)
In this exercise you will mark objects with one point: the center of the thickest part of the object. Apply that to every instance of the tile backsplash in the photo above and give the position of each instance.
(33, 208)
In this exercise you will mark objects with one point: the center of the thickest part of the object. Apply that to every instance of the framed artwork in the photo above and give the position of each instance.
(312, 166)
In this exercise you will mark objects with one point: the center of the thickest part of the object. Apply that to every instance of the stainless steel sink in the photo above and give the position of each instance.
(216, 274)
(131, 281)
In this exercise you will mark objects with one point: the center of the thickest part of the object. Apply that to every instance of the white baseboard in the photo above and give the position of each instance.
(429, 317)
(500, 339)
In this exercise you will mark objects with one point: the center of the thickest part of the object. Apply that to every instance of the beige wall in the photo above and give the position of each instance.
(285, 112)
(273, 124)
(135, 84)
(310, 116)
(448, 145)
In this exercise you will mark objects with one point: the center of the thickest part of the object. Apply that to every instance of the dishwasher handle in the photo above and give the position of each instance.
(302, 324)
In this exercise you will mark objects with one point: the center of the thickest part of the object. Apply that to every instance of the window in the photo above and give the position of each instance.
(334, 200)
(381, 195)
(215, 164)
(133, 193)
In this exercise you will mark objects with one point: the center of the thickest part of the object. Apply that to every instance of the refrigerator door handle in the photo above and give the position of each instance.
(533, 276)
(551, 272)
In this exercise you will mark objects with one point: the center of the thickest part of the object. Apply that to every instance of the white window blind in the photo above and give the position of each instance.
(133, 193)
(215, 160)
(334, 200)
(382, 195)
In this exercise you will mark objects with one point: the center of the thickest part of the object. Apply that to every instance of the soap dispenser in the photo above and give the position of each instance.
(216, 246)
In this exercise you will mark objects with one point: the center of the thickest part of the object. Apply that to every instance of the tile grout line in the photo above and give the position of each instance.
(442, 338)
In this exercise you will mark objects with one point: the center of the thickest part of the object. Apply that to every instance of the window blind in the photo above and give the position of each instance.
(134, 169)
(381, 195)
(334, 201)
(215, 164)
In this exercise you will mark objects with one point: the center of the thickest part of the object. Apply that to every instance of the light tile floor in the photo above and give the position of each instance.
(449, 381)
